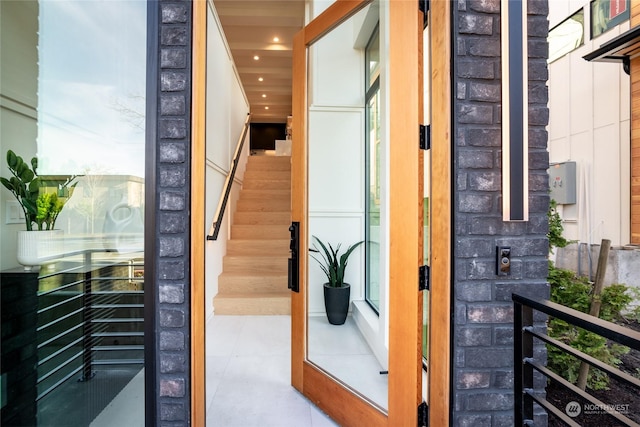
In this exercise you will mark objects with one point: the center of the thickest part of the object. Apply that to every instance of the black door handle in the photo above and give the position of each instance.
(294, 262)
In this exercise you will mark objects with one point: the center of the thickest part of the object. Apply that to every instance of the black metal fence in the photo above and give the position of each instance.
(526, 364)
(89, 314)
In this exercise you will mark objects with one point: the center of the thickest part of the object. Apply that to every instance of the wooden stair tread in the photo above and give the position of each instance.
(255, 303)
(276, 294)
(266, 274)
(254, 276)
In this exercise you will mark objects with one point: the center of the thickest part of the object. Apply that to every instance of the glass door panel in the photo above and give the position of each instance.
(355, 178)
(351, 349)
(72, 97)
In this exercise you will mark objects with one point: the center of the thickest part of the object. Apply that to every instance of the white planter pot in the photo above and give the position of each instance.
(37, 247)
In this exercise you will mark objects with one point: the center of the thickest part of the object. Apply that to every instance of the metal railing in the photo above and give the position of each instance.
(224, 197)
(526, 364)
(89, 314)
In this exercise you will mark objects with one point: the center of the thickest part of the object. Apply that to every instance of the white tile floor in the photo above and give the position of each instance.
(248, 375)
(343, 352)
(127, 409)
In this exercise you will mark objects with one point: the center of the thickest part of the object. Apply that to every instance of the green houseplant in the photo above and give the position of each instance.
(41, 208)
(41, 201)
(336, 291)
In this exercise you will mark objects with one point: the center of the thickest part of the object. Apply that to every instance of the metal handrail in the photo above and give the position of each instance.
(224, 197)
(525, 363)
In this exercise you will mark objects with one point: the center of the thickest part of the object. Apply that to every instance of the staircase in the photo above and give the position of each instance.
(254, 272)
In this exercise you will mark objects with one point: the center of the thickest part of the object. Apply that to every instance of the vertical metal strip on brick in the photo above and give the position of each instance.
(150, 212)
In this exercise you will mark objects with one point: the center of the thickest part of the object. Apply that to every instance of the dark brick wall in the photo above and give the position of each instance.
(172, 200)
(482, 380)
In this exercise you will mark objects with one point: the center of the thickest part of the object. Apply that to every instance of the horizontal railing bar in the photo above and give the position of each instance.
(58, 304)
(117, 347)
(60, 288)
(60, 366)
(60, 335)
(594, 324)
(62, 380)
(554, 410)
(118, 292)
(56, 353)
(584, 395)
(118, 362)
(617, 373)
(102, 306)
(112, 278)
(58, 273)
(117, 334)
(59, 319)
(119, 320)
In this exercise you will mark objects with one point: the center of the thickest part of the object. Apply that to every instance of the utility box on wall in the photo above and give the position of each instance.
(562, 182)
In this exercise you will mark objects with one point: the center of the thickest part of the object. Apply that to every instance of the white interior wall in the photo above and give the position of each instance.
(336, 154)
(18, 103)
(589, 123)
(227, 109)
(337, 167)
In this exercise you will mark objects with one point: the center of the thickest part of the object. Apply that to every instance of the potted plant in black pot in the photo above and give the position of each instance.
(336, 291)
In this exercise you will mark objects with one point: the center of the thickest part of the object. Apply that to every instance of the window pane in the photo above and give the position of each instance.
(566, 36)
(372, 152)
(606, 14)
(372, 252)
(72, 93)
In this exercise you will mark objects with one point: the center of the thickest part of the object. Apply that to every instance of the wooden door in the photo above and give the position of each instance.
(401, 32)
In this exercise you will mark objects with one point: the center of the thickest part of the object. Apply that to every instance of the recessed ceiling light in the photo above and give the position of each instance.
(256, 57)
(264, 95)
(260, 79)
(276, 39)
(266, 108)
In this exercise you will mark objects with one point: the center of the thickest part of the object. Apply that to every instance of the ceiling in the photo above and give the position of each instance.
(250, 28)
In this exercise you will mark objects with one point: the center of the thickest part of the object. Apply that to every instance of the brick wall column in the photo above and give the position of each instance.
(172, 201)
(483, 311)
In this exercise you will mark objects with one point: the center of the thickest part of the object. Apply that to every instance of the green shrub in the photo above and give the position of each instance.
(556, 240)
(576, 292)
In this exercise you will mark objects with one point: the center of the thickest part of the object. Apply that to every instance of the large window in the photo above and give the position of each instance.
(72, 97)
(372, 150)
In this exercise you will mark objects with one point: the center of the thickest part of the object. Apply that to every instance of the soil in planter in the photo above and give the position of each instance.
(626, 397)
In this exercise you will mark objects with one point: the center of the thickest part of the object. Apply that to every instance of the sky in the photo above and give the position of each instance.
(91, 86)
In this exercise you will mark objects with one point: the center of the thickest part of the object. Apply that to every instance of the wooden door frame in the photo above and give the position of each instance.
(400, 413)
(343, 405)
(197, 233)
(440, 217)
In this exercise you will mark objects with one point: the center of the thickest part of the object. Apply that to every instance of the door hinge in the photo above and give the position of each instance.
(423, 415)
(425, 137)
(423, 278)
(423, 5)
